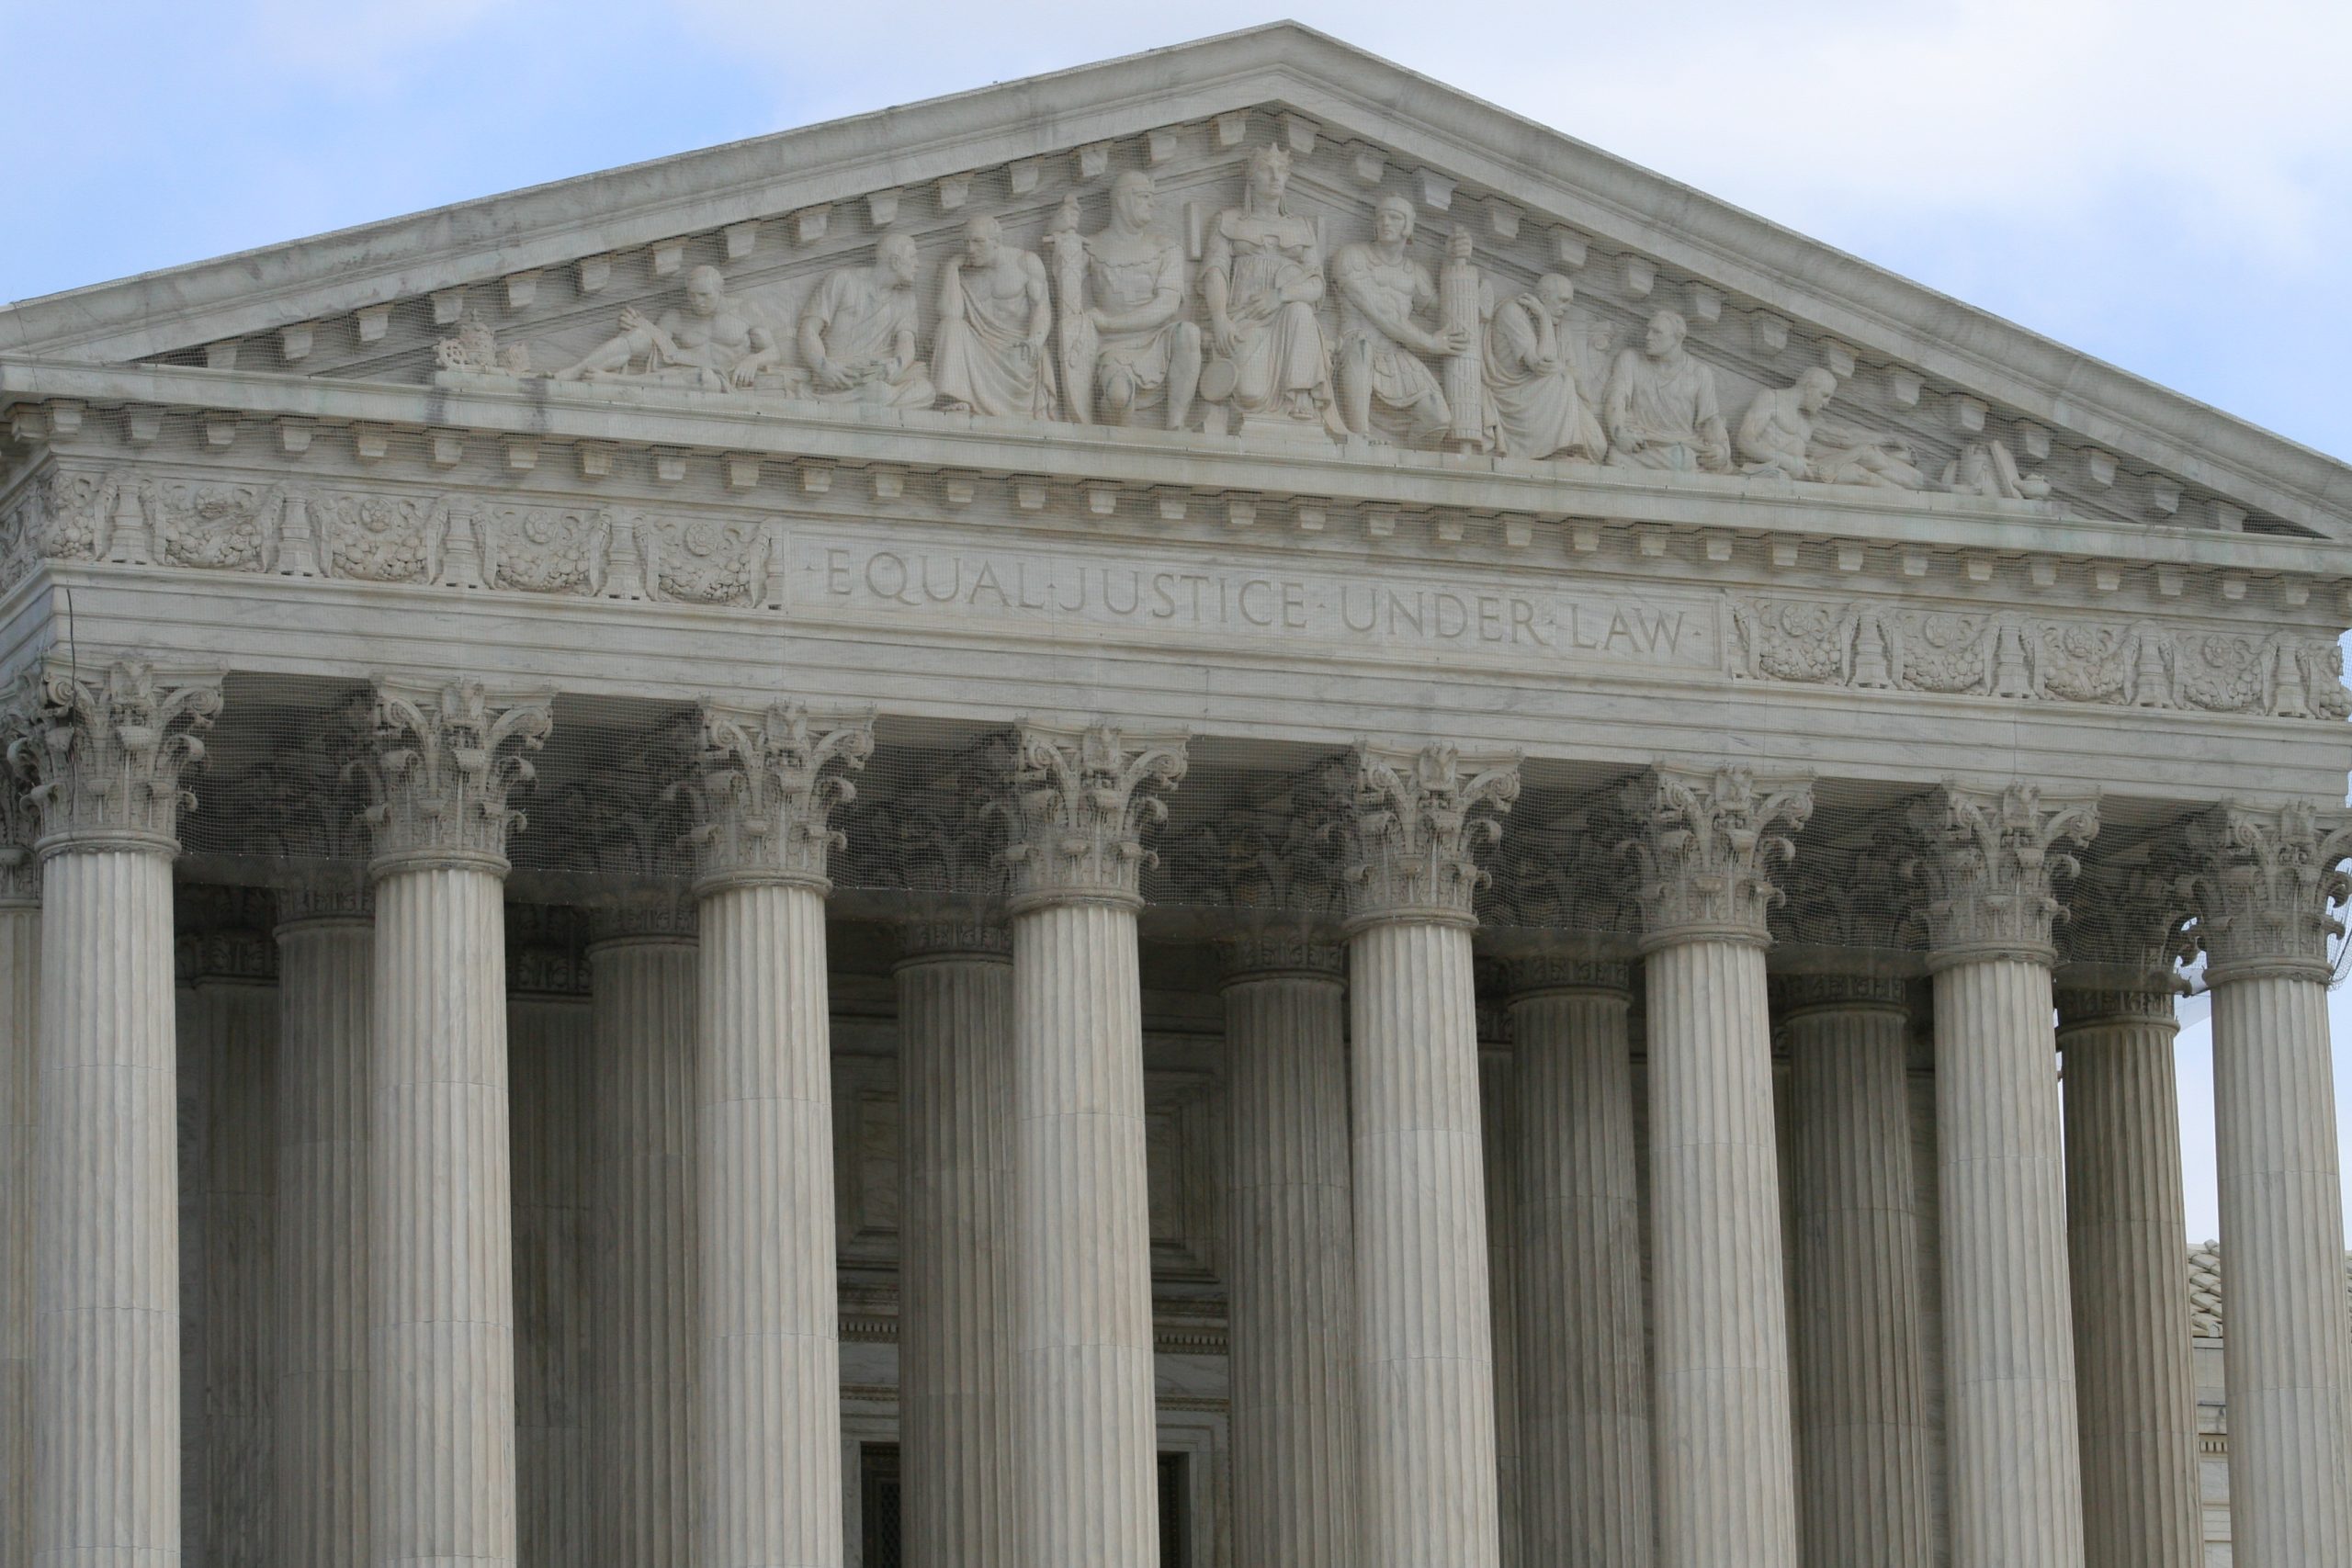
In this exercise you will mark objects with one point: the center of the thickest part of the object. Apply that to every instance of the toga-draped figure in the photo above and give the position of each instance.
(1385, 390)
(1783, 433)
(994, 316)
(1261, 277)
(1542, 388)
(857, 333)
(1660, 411)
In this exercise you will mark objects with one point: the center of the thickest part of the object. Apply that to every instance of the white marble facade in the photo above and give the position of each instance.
(1269, 822)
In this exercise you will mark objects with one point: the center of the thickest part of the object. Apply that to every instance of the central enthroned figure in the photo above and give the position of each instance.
(1385, 392)
(994, 316)
(1261, 279)
(1124, 338)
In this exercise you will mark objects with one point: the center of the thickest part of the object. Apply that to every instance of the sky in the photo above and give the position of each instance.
(2164, 184)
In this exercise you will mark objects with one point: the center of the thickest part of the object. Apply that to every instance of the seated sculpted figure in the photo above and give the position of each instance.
(1124, 336)
(1783, 433)
(711, 344)
(994, 316)
(1384, 390)
(1540, 390)
(1261, 277)
(857, 333)
(1660, 409)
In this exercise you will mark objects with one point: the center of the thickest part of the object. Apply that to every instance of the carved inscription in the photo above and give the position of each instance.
(1528, 623)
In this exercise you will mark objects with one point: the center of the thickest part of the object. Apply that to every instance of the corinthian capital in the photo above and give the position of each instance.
(765, 790)
(1991, 862)
(447, 758)
(102, 758)
(1706, 847)
(1081, 798)
(2268, 881)
(20, 828)
(1413, 837)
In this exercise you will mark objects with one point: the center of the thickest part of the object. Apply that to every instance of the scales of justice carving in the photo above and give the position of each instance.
(1249, 327)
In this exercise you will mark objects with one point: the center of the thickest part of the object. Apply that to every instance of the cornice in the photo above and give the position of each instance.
(669, 456)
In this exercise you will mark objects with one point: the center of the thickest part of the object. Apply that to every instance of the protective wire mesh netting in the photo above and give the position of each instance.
(1253, 830)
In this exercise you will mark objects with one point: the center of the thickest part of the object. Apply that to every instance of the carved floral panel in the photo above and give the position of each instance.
(1867, 646)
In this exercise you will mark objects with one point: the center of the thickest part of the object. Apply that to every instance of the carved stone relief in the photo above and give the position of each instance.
(1869, 647)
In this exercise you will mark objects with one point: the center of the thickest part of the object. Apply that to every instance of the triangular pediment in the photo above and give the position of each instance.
(538, 281)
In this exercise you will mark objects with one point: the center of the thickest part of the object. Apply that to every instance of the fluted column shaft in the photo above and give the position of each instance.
(1292, 1268)
(771, 1355)
(1864, 1454)
(19, 1034)
(2287, 1354)
(2009, 1346)
(320, 1314)
(1726, 1489)
(644, 1258)
(1083, 1285)
(1497, 1122)
(1583, 1393)
(442, 1370)
(2126, 1235)
(955, 1050)
(1426, 1384)
(106, 1379)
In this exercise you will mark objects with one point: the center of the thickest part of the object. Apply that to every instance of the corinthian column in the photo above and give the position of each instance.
(1425, 1361)
(19, 1027)
(2126, 1231)
(1727, 1490)
(441, 1365)
(644, 1311)
(1991, 856)
(1864, 1455)
(326, 941)
(955, 1034)
(1292, 1289)
(2267, 890)
(769, 1429)
(105, 762)
(1086, 1452)
(1583, 1396)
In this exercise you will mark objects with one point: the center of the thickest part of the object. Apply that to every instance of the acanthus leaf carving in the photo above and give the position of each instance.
(446, 763)
(1420, 814)
(1560, 871)
(1707, 844)
(1271, 861)
(764, 790)
(103, 759)
(20, 821)
(1990, 864)
(1081, 799)
(943, 836)
(2268, 884)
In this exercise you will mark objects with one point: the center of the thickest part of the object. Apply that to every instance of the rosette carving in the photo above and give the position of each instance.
(766, 791)
(1418, 820)
(1081, 798)
(1991, 862)
(2268, 884)
(446, 763)
(1706, 847)
(103, 759)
